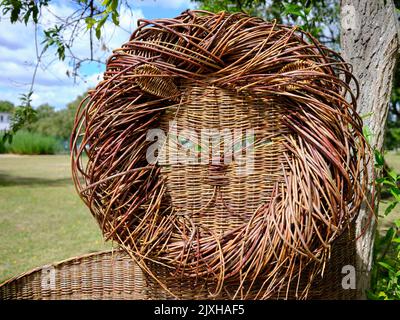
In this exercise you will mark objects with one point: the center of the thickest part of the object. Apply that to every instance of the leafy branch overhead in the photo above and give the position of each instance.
(23, 10)
(53, 37)
(97, 21)
(92, 14)
(319, 17)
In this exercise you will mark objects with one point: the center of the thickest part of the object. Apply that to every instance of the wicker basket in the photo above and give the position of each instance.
(104, 275)
(114, 275)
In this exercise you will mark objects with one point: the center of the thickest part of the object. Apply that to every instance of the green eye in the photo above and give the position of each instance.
(249, 141)
(188, 144)
(197, 148)
(184, 142)
(245, 143)
(266, 142)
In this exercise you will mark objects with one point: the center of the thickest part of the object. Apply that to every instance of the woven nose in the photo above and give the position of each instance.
(217, 173)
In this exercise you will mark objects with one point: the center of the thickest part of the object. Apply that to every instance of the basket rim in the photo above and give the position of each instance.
(62, 262)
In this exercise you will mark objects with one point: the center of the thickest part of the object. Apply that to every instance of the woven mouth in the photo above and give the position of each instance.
(217, 175)
(201, 190)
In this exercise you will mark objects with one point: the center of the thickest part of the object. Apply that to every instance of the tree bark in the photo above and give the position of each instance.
(370, 42)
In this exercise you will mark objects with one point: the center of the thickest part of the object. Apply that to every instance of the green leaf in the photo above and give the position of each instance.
(372, 296)
(388, 237)
(390, 208)
(15, 14)
(98, 33)
(102, 21)
(106, 3)
(35, 13)
(379, 159)
(294, 9)
(380, 180)
(382, 295)
(114, 5)
(367, 133)
(115, 18)
(389, 183)
(395, 193)
(100, 24)
(366, 115)
(90, 22)
(26, 17)
(393, 175)
(386, 266)
(61, 51)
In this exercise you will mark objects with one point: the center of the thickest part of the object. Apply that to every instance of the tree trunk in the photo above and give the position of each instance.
(370, 42)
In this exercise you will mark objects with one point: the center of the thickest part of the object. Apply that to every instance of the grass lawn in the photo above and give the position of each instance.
(42, 219)
(393, 159)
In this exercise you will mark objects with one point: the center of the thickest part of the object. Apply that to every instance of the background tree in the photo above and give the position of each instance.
(392, 134)
(55, 123)
(371, 42)
(319, 17)
(6, 106)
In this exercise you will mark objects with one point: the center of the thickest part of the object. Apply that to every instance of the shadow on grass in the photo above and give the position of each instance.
(7, 180)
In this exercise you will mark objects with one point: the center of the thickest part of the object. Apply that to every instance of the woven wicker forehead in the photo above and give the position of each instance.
(208, 222)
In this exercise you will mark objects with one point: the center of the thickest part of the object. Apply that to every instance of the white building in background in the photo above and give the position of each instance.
(5, 120)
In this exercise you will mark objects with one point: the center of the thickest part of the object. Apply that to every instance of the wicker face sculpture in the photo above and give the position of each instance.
(224, 154)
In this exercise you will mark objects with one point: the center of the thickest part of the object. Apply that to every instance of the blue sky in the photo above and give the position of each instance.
(52, 85)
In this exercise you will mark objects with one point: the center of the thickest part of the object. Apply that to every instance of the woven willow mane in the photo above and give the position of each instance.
(223, 234)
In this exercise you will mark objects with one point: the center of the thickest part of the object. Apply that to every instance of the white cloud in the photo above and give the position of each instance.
(166, 4)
